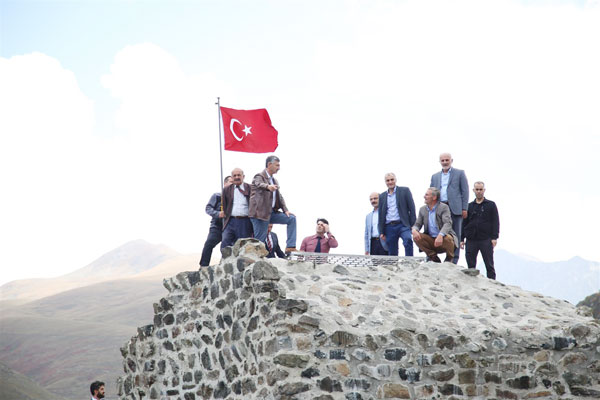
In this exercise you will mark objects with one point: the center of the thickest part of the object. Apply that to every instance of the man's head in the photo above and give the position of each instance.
(374, 199)
(97, 389)
(272, 164)
(432, 196)
(322, 224)
(269, 228)
(479, 190)
(227, 181)
(238, 176)
(390, 180)
(446, 161)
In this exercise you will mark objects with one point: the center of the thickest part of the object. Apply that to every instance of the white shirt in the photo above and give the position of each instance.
(272, 182)
(374, 223)
(240, 204)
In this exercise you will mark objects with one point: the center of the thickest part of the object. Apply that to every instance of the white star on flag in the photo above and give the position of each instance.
(247, 130)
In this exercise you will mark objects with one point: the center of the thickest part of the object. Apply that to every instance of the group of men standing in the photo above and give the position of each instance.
(249, 210)
(447, 219)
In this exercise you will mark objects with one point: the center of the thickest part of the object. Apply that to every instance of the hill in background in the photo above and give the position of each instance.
(64, 340)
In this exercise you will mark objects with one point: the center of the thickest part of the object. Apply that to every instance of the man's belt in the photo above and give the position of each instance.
(233, 216)
(398, 222)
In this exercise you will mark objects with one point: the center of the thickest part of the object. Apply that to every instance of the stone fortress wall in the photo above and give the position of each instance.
(255, 328)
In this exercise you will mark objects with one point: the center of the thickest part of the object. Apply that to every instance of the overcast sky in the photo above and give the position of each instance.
(109, 129)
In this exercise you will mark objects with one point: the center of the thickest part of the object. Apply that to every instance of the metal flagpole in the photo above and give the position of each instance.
(218, 103)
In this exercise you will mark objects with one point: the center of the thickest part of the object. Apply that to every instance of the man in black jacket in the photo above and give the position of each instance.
(213, 208)
(481, 229)
(272, 244)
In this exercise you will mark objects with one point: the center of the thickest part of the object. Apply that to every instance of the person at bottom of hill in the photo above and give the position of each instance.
(97, 390)
(215, 233)
(272, 244)
(438, 236)
(481, 229)
(322, 241)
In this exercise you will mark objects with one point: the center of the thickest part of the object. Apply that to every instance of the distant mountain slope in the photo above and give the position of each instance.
(16, 386)
(592, 301)
(66, 341)
(570, 280)
(127, 260)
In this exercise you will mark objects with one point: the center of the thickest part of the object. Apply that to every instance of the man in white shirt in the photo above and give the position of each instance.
(374, 245)
(235, 199)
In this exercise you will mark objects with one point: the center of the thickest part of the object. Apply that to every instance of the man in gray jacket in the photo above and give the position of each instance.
(438, 235)
(454, 191)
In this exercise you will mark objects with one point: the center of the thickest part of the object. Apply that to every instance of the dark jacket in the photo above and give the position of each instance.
(213, 208)
(261, 198)
(405, 204)
(482, 221)
(276, 250)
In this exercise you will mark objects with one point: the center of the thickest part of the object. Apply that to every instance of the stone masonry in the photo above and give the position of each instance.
(256, 328)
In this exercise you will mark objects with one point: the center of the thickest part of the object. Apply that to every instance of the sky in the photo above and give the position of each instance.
(109, 129)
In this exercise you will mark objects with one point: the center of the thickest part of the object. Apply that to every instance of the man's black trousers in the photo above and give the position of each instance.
(213, 239)
(487, 253)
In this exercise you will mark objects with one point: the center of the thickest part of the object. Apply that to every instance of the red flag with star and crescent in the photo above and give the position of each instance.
(249, 131)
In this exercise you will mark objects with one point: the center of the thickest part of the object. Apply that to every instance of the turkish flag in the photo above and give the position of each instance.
(249, 131)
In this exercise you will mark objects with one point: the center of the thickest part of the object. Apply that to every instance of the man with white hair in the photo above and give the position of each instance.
(396, 216)
(454, 191)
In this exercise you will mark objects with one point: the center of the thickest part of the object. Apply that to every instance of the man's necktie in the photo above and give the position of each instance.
(318, 248)
(269, 244)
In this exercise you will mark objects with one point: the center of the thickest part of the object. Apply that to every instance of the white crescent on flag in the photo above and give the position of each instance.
(246, 129)
(233, 120)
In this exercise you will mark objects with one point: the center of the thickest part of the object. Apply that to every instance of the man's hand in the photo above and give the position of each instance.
(272, 188)
(462, 245)
(416, 234)
(438, 241)
(287, 213)
(382, 236)
(221, 214)
(464, 214)
(366, 253)
(326, 227)
(494, 241)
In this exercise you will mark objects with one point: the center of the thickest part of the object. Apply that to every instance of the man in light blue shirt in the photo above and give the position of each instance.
(396, 216)
(374, 245)
(438, 236)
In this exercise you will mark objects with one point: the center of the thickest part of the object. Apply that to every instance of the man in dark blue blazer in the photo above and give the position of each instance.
(272, 244)
(396, 216)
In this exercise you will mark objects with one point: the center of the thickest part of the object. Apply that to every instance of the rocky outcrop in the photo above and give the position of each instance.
(274, 329)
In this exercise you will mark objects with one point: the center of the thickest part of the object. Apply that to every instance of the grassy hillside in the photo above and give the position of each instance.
(66, 341)
(16, 386)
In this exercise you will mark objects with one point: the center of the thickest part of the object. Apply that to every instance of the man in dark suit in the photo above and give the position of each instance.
(396, 216)
(272, 243)
(454, 191)
(215, 233)
(266, 202)
(236, 223)
(438, 236)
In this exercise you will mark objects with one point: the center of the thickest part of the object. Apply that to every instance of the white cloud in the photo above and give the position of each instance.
(510, 90)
